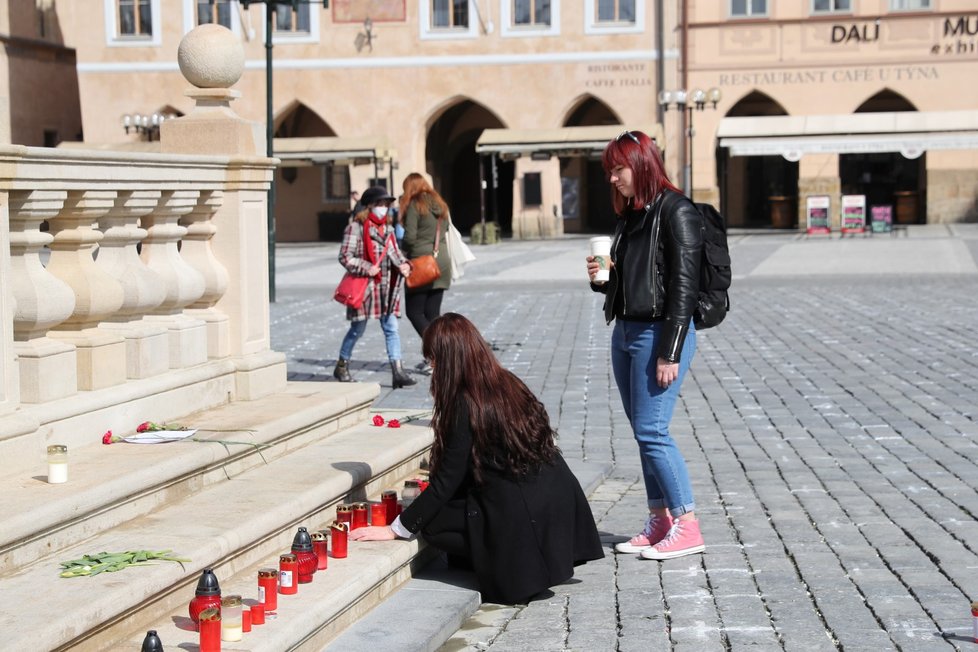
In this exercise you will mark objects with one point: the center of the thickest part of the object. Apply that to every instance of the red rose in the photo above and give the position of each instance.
(393, 423)
(107, 437)
(143, 427)
(378, 420)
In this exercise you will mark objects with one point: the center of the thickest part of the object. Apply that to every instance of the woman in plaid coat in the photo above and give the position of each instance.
(384, 264)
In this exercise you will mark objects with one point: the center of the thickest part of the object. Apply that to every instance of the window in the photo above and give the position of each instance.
(909, 5)
(336, 183)
(745, 8)
(530, 18)
(135, 18)
(614, 16)
(830, 6)
(219, 12)
(292, 22)
(615, 11)
(132, 23)
(451, 19)
(531, 12)
(449, 14)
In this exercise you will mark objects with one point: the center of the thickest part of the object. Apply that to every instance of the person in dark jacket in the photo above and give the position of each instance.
(651, 295)
(501, 496)
(425, 217)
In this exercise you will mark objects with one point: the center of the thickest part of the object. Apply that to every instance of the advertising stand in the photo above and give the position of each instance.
(817, 213)
(853, 213)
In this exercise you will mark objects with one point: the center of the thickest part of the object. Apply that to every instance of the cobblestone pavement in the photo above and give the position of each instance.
(830, 425)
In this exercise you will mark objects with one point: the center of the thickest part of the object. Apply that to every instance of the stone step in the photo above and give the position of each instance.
(234, 526)
(109, 485)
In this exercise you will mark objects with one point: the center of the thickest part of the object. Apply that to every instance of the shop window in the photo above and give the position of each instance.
(336, 183)
(134, 23)
(218, 11)
(532, 189)
(448, 19)
(831, 6)
(909, 5)
(530, 17)
(748, 8)
(613, 16)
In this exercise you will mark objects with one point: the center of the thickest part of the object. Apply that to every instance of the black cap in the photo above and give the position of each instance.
(374, 194)
(152, 642)
(207, 584)
(302, 541)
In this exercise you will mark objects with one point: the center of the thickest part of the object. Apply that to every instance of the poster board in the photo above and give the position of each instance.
(853, 213)
(882, 219)
(817, 213)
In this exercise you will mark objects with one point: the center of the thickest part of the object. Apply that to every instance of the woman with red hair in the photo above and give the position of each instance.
(501, 497)
(424, 215)
(651, 295)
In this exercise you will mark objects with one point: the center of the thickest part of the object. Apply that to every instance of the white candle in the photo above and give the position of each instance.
(57, 464)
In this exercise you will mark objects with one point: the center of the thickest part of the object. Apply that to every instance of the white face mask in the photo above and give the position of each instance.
(379, 211)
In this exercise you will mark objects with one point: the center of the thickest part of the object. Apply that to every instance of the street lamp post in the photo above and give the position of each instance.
(683, 101)
(270, 7)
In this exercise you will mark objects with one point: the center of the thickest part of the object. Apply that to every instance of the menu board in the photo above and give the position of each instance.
(817, 210)
(882, 219)
(853, 213)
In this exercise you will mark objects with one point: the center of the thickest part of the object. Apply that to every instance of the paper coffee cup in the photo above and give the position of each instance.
(601, 250)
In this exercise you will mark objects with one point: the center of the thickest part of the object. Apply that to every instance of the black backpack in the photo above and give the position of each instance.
(713, 301)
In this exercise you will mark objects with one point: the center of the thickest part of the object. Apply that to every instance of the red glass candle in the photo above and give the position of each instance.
(344, 513)
(360, 517)
(339, 532)
(206, 595)
(378, 514)
(305, 555)
(319, 547)
(268, 588)
(246, 620)
(257, 614)
(210, 630)
(288, 571)
(389, 500)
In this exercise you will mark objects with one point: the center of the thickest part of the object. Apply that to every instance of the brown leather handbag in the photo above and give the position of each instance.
(424, 269)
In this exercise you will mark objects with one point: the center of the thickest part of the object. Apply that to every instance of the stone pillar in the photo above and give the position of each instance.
(9, 375)
(101, 355)
(212, 59)
(198, 253)
(544, 220)
(46, 367)
(183, 284)
(147, 347)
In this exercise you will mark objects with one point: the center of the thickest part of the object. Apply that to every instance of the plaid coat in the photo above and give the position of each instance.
(384, 291)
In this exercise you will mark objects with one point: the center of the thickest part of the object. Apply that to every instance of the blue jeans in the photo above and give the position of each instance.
(649, 409)
(389, 325)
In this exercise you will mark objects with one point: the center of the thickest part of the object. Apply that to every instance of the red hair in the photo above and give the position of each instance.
(510, 426)
(643, 158)
(418, 191)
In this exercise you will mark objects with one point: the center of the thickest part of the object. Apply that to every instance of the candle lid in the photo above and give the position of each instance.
(208, 584)
(288, 557)
(341, 525)
(231, 601)
(302, 541)
(360, 506)
(267, 572)
(318, 536)
(152, 642)
(411, 483)
(389, 493)
(54, 449)
(344, 508)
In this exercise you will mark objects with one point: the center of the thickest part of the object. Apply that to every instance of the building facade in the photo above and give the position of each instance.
(833, 98)
(420, 80)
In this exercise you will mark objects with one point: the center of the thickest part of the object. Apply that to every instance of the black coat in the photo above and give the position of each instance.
(525, 534)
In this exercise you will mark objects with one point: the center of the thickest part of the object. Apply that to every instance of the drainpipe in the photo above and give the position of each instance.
(683, 83)
(660, 64)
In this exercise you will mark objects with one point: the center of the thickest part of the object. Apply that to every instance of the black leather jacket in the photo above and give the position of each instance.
(657, 269)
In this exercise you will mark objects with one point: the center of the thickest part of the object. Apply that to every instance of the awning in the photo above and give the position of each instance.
(299, 152)
(910, 133)
(565, 141)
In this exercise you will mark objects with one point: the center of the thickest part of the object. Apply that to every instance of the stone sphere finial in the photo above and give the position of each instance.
(211, 56)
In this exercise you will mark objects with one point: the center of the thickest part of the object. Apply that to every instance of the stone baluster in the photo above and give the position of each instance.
(147, 345)
(184, 285)
(199, 254)
(101, 355)
(46, 367)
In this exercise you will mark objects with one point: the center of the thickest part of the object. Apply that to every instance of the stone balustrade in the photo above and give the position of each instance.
(134, 285)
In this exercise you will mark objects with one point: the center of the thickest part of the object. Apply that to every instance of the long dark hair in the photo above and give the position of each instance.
(636, 151)
(510, 426)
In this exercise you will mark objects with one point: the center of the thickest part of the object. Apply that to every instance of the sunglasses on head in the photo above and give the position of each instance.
(630, 135)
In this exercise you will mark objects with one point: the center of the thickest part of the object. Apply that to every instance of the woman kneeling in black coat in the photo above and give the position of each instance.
(501, 496)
